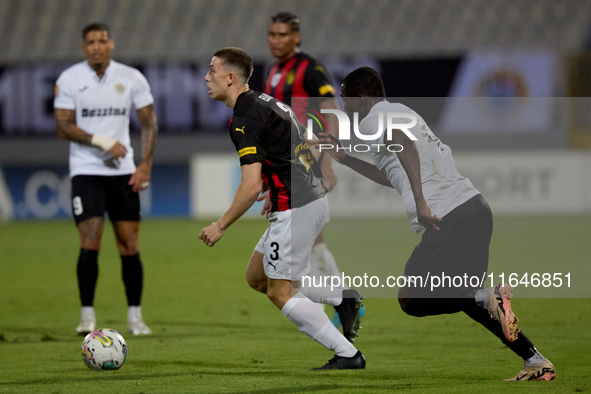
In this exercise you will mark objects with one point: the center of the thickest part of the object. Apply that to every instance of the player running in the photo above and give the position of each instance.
(456, 218)
(93, 100)
(268, 140)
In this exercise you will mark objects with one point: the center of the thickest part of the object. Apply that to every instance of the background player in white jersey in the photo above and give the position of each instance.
(93, 100)
(455, 216)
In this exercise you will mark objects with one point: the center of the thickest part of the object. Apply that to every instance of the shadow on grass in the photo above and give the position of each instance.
(300, 389)
(200, 364)
(335, 387)
(100, 377)
(36, 335)
(204, 324)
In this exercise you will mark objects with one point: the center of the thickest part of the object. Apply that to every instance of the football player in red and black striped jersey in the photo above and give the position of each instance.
(296, 74)
(268, 139)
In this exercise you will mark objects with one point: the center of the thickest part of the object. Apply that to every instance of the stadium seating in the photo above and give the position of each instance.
(190, 29)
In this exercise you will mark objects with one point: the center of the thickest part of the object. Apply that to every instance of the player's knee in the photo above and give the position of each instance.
(256, 283)
(91, 232)
(128, 247)
(278, 296)
(90, 244)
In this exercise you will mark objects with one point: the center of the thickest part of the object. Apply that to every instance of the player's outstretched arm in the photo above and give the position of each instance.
(247, 193)
(411, 162)
(141, 178)
(329, 143)
(65, 124)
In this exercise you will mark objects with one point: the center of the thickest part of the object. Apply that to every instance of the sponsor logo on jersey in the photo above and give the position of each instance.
(299, 147)
(290, 77)
(247, 151)
(241, 130)
(87, 113)
(119, 88)
(83, 89)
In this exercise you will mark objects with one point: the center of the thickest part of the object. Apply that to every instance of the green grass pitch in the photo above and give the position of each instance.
(213, 334)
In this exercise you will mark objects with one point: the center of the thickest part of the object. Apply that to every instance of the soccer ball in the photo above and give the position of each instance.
(104, 350)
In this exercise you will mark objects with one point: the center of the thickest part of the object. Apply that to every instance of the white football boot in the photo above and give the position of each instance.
(135, 322)
(138, 327)
(87, 321)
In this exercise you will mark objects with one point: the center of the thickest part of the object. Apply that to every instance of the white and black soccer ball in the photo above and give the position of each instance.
(104, 350)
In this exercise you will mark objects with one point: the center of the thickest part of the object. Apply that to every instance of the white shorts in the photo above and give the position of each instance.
(287, 244)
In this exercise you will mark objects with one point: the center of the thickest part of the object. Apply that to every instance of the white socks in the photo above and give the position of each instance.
(134, 311)
(314, 323)
(319, 296)
(481, 297)
(87, 312)
(535, 359)
(323, 264)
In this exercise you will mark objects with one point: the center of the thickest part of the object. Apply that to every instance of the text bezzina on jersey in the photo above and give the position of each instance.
(265, 130)
(103, 112)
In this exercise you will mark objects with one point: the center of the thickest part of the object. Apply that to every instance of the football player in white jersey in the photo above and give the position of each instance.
(455, 216)
(93, 100)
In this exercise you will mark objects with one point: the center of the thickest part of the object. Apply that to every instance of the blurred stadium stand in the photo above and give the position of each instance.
(35, 30)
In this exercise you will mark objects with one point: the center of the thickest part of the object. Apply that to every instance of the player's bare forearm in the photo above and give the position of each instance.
(331, 145)
(411, 162)
(149, 123)
(65, 124)
(249, 189)
(366, 169)
(246, 195)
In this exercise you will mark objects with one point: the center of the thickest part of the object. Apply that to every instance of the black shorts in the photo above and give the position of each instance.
(459, 248)
(92, 195)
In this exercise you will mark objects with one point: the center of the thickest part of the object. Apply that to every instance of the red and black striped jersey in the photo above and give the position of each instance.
(265, 130)
(300, 76)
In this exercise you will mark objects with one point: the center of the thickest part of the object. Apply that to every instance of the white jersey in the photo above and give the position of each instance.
(102, 107)
(443, 187)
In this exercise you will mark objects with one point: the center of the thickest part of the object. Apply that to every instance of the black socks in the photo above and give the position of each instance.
(133, 278)
(87, 271)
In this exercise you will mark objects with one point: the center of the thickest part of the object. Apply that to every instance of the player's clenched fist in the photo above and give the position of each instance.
(211, 234)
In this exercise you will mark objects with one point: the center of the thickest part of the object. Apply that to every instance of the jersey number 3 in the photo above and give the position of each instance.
(275, 255)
